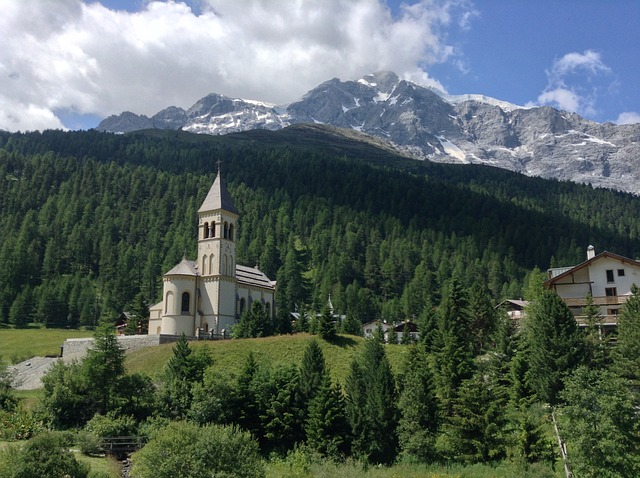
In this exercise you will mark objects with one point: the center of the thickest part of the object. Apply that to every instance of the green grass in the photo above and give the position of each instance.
(104, 464)
(355, 470)
(284, 350)
(22, 344)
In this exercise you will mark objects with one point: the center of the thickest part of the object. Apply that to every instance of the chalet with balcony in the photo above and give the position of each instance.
(608, 277)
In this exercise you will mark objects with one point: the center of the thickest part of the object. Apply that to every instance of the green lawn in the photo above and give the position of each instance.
(22, 344)
(277, 351)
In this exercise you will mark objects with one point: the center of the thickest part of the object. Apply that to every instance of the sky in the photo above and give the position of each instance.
(67, 64)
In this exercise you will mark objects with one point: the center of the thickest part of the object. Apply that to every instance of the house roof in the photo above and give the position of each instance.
(218, 198)
(567, 271)
(518, 303)
(184, 268)
(254, 277)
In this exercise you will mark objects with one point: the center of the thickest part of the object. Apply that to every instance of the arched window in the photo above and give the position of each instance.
(204, 265)
(243, 305)
(168, 303)
(205, 230)
(231, 230)
(211, 268)
(212, 231)
(224, 264)
(185, 302)
(226, 230)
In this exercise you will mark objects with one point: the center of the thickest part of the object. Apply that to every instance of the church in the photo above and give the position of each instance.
(207, 296)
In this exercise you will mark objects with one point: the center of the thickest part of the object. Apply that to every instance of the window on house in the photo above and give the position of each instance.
(610, 291)
(620, 272)
(609, 275)
(612, 311)
(185, 302)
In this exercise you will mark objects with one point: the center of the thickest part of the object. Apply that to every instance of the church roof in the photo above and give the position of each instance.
(184, 268)
(253, 277)
(218, 198)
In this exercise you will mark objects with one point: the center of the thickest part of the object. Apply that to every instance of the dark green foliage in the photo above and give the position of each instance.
(483, 318)
(601, 424)
(473, 433)
(627, 352)
(528, 434)
(183, 370)
(326, 427)
(103, 366)
(255, 322)
(7, 401)
(371, 405)
(552, 346)
(596, 347)
(419, 421)
(312, 371)
(188, 450)
(454, 347)
(326, 325)
(48, 455)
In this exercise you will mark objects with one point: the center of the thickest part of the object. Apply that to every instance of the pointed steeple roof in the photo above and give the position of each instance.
(218, 197)
(184, 268)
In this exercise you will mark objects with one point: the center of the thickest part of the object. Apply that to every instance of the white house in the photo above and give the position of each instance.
(208, 295)
(608, 277)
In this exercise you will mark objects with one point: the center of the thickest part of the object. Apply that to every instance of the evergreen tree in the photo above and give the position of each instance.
(326, 325)
(483, 317)
(602, 425)
(182, 371)
(454, 356)
(595, 346)
(327, 428)
(351, 326)
(103, 367)
(418, 422)
(370, 405)
(553, 345)
(312, 371)
(255, 322)
(627, 351)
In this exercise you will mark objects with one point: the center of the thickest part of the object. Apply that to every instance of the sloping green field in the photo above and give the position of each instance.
(21, 344)
(230, 355)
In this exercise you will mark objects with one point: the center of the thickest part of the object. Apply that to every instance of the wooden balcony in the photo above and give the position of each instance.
(599, 301)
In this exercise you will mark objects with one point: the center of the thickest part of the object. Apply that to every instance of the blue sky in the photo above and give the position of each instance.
(70, 63)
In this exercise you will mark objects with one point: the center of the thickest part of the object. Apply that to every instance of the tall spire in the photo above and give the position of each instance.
(218, 196)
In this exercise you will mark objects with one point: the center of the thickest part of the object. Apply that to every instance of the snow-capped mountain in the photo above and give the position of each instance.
(427, 124)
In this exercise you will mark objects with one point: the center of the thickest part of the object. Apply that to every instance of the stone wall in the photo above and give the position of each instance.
(77, 348)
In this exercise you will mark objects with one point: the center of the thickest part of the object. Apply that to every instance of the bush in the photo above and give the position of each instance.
(19, 425)
(110, 425)
(89, 443)
(45, 455)
(185, 449)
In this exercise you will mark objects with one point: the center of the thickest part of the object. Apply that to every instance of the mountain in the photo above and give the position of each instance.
(425, 124)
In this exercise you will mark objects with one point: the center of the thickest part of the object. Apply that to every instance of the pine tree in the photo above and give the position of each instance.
(183, 370)
(326, 325)
(553, 345)
(370, 405)
(596, 348)
(103, 366)
(418, 422)
(327, 428)
(454, 356)
(627, 352)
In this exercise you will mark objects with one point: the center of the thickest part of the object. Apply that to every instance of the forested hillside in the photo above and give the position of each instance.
(90, 221)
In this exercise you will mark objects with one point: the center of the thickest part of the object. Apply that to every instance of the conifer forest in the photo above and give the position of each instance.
(90, 221)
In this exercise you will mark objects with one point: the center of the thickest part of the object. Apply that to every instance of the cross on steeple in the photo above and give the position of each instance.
(219, 163)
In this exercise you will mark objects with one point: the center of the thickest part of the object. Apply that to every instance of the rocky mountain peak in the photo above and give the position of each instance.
(430, 125)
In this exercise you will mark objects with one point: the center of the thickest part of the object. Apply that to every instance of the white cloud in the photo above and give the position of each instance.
(628, 117)
(573, 83)
(85, 58)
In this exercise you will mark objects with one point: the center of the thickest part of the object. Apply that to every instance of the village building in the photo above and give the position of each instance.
(370, 329)
(515, 309)
(207, 296)
(608, 277)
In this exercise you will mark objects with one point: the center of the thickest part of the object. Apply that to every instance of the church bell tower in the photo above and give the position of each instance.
(217, 231)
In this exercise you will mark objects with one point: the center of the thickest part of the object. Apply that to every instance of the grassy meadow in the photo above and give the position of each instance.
(17, 345)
